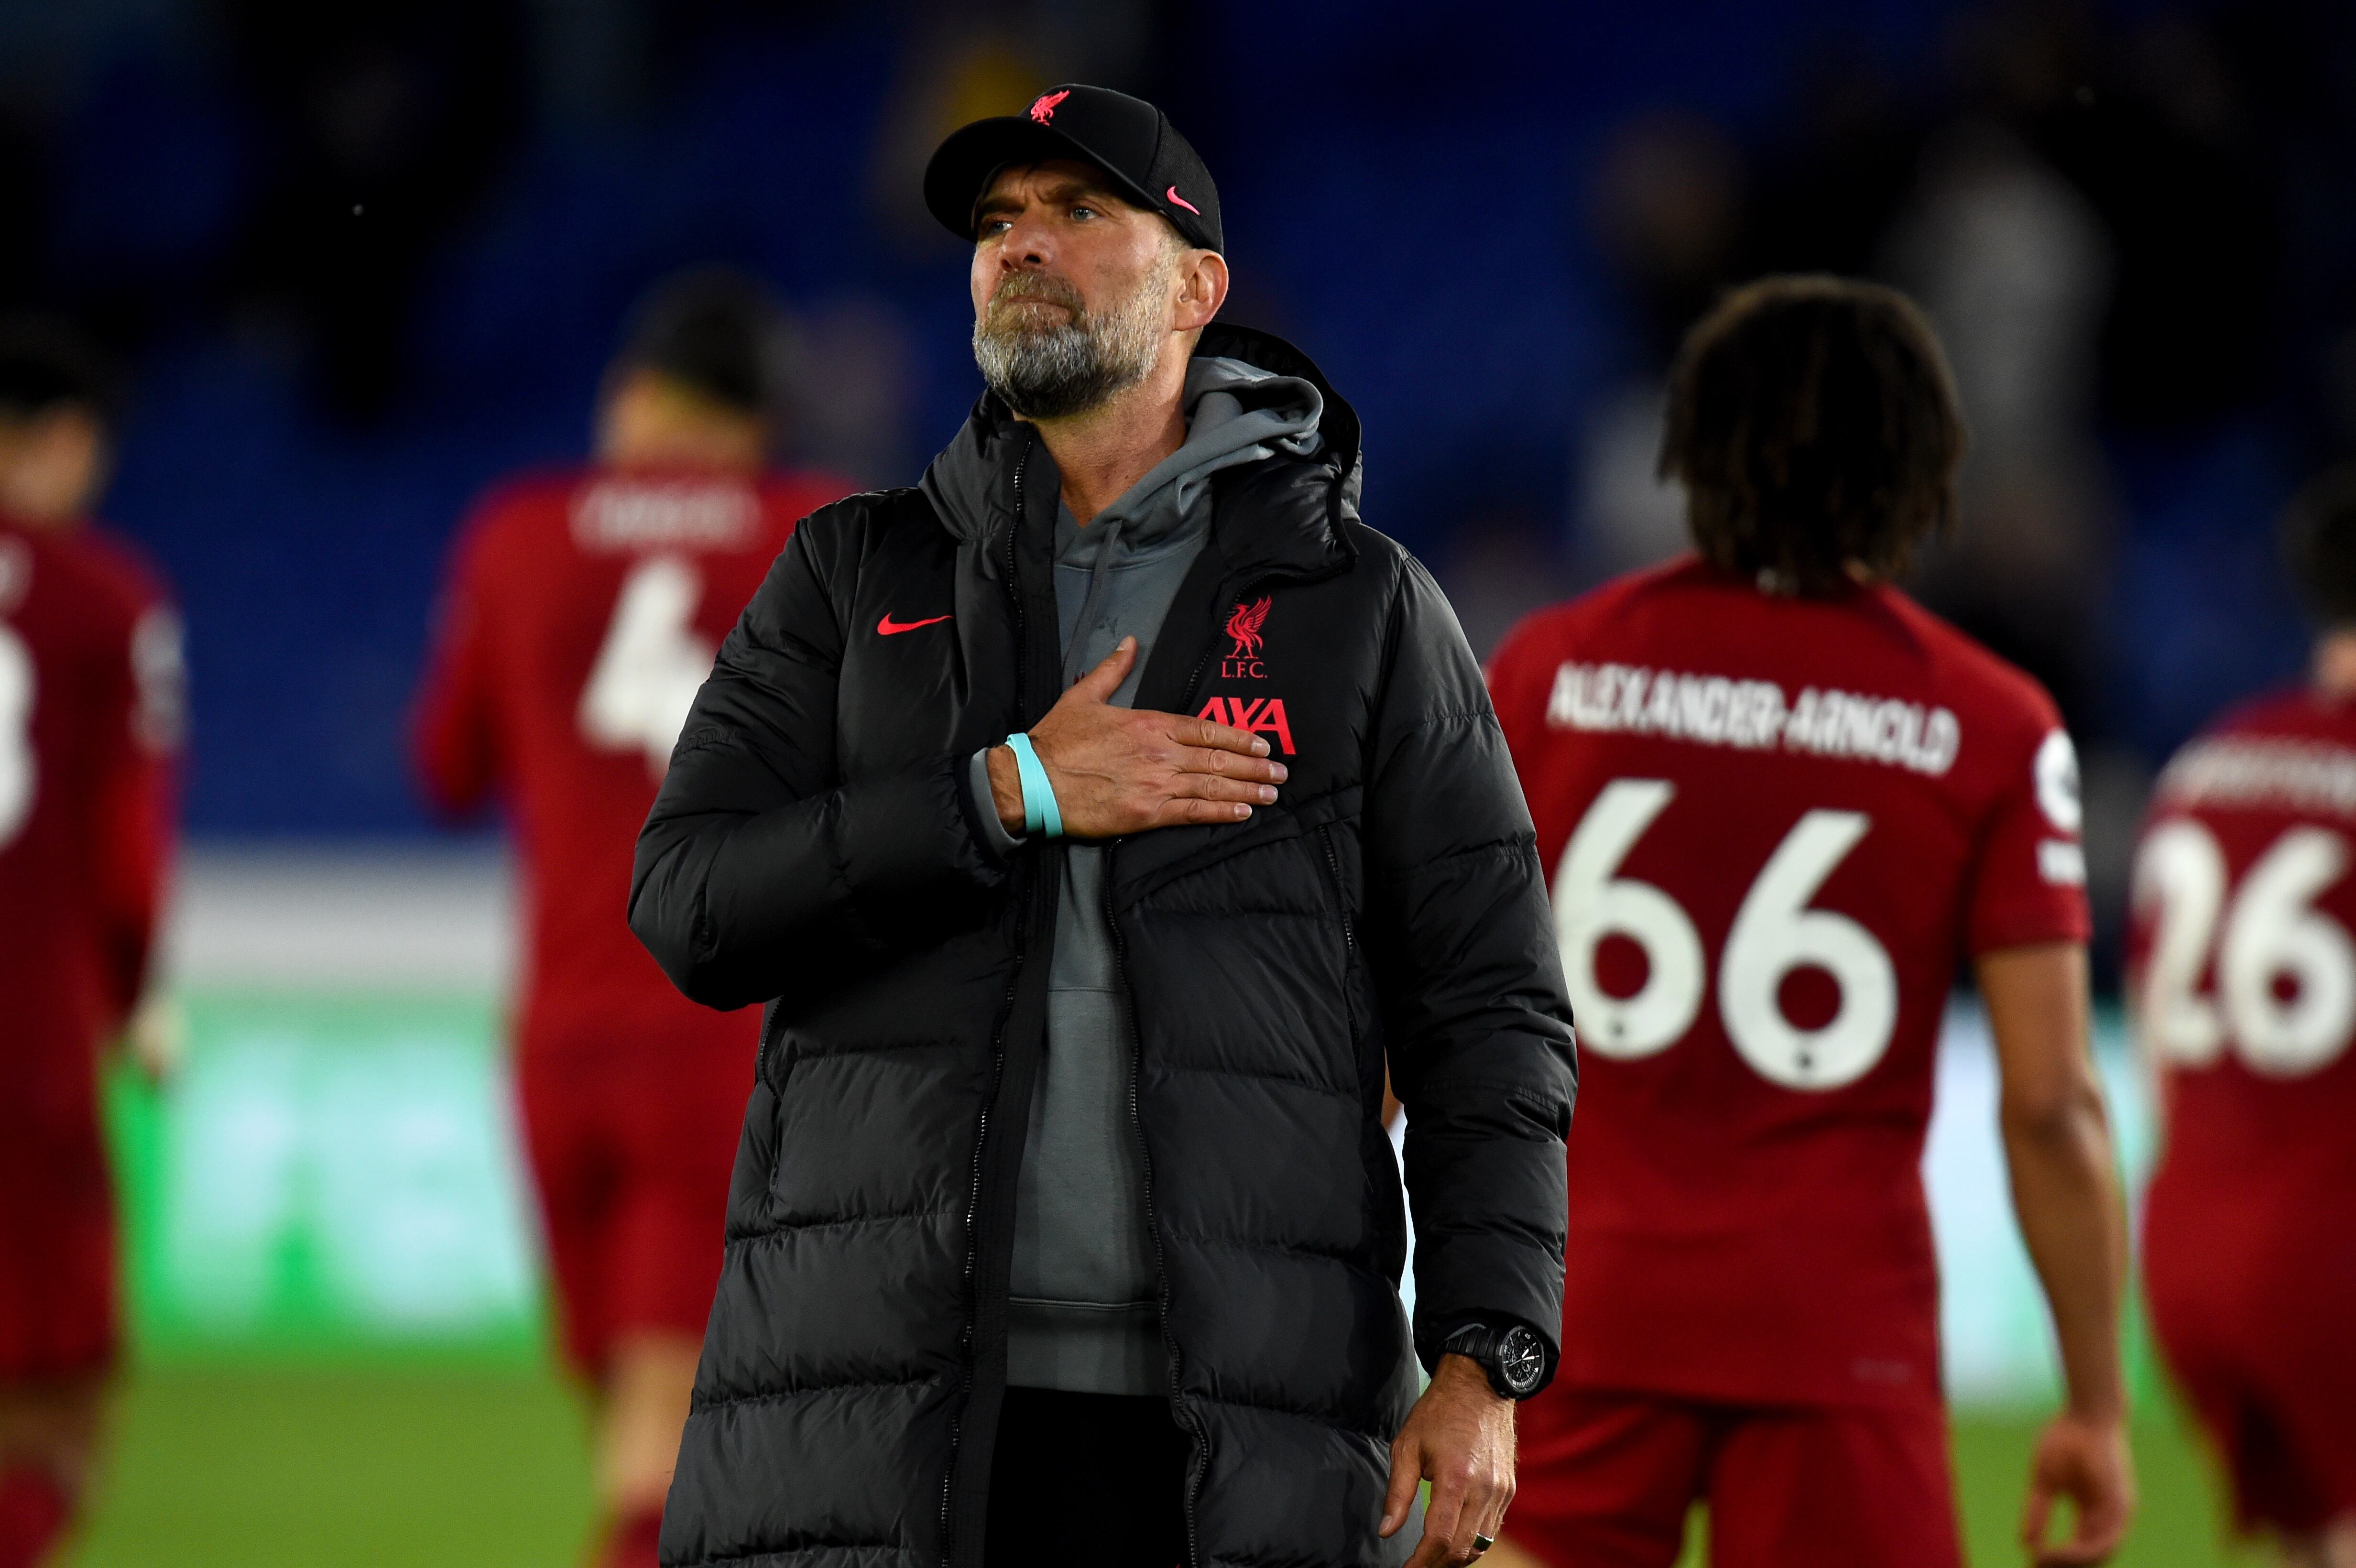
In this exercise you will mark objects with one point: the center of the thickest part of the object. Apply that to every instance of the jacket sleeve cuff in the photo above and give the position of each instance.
(984, 806)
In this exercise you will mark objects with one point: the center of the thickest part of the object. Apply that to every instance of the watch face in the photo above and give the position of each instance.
(1521, 1359)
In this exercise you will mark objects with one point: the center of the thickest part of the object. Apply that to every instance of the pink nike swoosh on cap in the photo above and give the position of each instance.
(1172, 194)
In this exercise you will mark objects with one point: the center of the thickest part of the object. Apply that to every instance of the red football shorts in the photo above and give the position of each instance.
(631, 1149)
(2253, 1319)
(58, 1314)
(1605, 1480)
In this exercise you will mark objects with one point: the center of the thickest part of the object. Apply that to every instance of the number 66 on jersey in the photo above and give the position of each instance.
(1773, 827)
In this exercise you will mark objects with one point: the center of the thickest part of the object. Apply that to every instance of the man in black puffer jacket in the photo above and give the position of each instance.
(1102, 816)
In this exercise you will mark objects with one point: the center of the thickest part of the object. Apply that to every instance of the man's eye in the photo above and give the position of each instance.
(994, 226)
(1084, 211)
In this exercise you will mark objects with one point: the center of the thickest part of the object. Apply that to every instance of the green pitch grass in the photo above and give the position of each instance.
(436, 1468)
(381, 1468)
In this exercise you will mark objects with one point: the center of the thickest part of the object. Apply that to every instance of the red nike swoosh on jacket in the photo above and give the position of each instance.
(889, 627)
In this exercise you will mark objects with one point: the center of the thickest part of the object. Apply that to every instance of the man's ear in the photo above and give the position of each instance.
(1202, 289)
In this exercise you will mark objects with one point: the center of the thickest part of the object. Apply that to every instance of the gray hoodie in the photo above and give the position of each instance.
(1081, 1314)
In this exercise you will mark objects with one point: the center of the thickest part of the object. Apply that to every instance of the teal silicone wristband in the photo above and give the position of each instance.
(1040, 812)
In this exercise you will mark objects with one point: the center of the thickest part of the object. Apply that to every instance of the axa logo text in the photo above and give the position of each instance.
(1259, 715)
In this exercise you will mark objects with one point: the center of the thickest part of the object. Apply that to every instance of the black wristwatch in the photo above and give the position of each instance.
(1514, 1358)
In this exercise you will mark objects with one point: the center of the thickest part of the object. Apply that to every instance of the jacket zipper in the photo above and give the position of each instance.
(1137, 1068)
(769, 1032)
(1198, 1437)
(1349, 935)
(1200, 1440)
(1340, 894)
(997, 1073)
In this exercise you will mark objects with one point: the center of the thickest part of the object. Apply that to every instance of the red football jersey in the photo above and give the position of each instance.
(582, 614)
(93, 703)
(1773, 827)
(2242, 970)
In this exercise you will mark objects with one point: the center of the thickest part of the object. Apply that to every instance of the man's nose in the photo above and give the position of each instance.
(1028, 242)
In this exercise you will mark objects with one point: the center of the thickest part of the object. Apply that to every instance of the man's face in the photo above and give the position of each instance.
(51, 463)
(1077, 293)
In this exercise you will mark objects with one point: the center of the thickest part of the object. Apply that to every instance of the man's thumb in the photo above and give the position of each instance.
(2036, 1512)
(1406, 1476)
(1100, 683)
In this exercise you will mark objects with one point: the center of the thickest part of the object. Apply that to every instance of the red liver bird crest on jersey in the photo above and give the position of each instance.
(1244, 627)
(1043, 108)
(1242, 662)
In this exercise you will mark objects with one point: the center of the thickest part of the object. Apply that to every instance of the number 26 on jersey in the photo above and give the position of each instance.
(1774, 934)
(2285, 971)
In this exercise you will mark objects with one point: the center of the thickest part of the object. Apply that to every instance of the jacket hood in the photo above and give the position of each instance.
(971, 482)
(1235, 414)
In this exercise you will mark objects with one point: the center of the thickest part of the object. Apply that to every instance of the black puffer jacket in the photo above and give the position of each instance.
(815, 842)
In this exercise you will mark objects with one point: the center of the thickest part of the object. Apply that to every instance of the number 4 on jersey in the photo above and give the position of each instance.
(1774, 933)
(17, 769)
(651, 665)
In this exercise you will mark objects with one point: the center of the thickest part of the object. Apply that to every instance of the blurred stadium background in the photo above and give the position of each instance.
(364, 258)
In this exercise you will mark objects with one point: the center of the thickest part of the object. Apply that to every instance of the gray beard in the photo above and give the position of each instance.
(1045, 372)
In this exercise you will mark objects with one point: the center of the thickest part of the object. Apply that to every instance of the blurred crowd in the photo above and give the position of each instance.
(2131, 235)
(361, 258)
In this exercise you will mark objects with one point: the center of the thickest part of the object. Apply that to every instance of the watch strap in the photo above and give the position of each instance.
(1488, 1344)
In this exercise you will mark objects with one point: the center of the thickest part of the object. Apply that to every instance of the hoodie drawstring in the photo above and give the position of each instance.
(1105, 546)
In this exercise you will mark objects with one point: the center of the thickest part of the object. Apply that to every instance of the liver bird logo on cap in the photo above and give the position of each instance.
(1043, 108)
(1244, 627)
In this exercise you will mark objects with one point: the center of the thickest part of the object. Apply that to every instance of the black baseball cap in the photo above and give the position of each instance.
(1130, 140)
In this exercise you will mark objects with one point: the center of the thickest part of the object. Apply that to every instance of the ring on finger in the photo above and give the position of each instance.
(1482, 1544)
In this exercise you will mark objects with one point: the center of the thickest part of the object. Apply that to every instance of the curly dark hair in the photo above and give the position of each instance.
(1813, 423)
(46, 363)
(717, 330)
(2319, 537)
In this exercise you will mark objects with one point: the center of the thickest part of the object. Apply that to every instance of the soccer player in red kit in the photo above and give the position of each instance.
(90, 716)
(2241, 975)
(1780, 802)
(582, 612)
